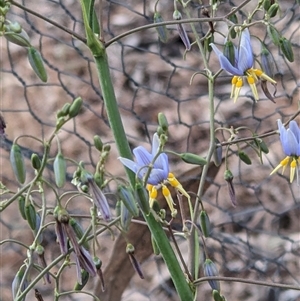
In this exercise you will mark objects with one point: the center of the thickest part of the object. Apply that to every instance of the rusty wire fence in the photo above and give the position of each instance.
(258, 239)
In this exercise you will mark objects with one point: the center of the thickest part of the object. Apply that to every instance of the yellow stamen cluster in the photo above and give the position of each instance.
(252, 77)
(292, 161)
(166, 192)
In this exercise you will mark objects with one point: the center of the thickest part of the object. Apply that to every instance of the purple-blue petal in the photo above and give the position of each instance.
(292, 143)
(155, 144)
(143, 157)
(157, 176)
(245, 59)
(129, 164)
(295, 130)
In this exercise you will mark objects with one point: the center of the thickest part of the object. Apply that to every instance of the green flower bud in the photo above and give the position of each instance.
(272, 11)
(84, 279)
(233, 18)
(177, 15)
(37, 64)
(210, 269)
(17, 282)
(30, 214)
(98, 143)
(21, 201)
(205, 223)
(125, 217)
(78, 231)
(142, 198)
(75, 107)
(106, 148)
(161, 30)
(244, 157)
(286, 48)
(263, 146)
(128, 199)
(155, 248)
(193, 159)
(35, 161)
(217, 155)
(97, 262)
(17, 162)
(267, 61)
(14, 27)
(217, 296)
(273, 34)
(207, 42)
(64, 111)
(22, 39)
(60, 170)
(266, 4)
(162, 121)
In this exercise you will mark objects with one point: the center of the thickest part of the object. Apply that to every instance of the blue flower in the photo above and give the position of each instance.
(290, 141)
(159, 176)
(144, 161)
(242, 65)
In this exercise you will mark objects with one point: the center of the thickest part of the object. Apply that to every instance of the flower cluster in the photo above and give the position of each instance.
(242, 65)
(290, 141)
(159, 176)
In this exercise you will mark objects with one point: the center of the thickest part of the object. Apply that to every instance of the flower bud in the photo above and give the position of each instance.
(21, 201)
(229, 178)
(272, 11)
(205, 223)
(64, 111)
(21, 38)
(17, 282)
(263, 146)
(125, 217)
(210, 270)
(267, 62)
(75, 107)
(142, 198)
(134, 262)
(233, 18)
(286, 48)
(193, 159)
(14, 27)
(60, 170)
(126, 195)
(98, 143)
(98, 264)
(17, 162)
(273, 34)
(37, 64)
(84, 279)
(35, 161)
(266, 4)
(162, 121)
(217, 155)
(244, 157)
(161, 30)
(30, 214)
(217, 296)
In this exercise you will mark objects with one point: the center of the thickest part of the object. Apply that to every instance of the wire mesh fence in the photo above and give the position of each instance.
(258, 239)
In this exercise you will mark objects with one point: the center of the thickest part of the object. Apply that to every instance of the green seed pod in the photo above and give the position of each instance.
(229, 52)
(286, 48)
(177, 15)
(228, 176)
(60, 170)
(128, 199)
(75, 107)
(244, 157)
(142, 198)
(193, 159)
(272, 11)
(64, 111)
(30, 214)
(266, 4)
(98, 143)
(17, 162)
(84, 279)
(78, 231)
(205, 223)
(273, 34)
(37, 64)
(155, 248)
(162, 121)
(35, 161)
(21, 201)
(161, 30)
(21, 38)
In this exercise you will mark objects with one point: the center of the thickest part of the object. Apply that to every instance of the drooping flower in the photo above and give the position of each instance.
(242, 65)
(159, 176)
(290, 141)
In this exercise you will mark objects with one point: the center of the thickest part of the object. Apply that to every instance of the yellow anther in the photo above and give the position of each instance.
(251, 82)
(173, 182)
(165, 191)
(153, 193)
(251, 79)
(257, 72)
(169, 199)
(285, 161)
(239, 82)
(234, 80)
(293, 166)
(149, 187)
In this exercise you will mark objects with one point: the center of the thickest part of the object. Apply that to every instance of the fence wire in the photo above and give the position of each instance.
(259, 239)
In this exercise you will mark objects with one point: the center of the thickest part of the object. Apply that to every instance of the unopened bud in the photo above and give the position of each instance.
(64, 111)
(128, 199)
(21, 38)
(286, 48)
(98, 143)
(84, 279)
(233, 18)
(142, 198)
(30, 214)
(21, 201)
(162, 121)
(272, 11)
(161, 30)
(193, 159)
(60, 170)
(17, 162)
(217, 296)
(210, 270)
(267, 62)
(125, 217)
(35, 161)
(273, 34)
(75, 107)
(205, 223)
(37, 64)
(244, 157)
(217, 155)
(267, 4)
